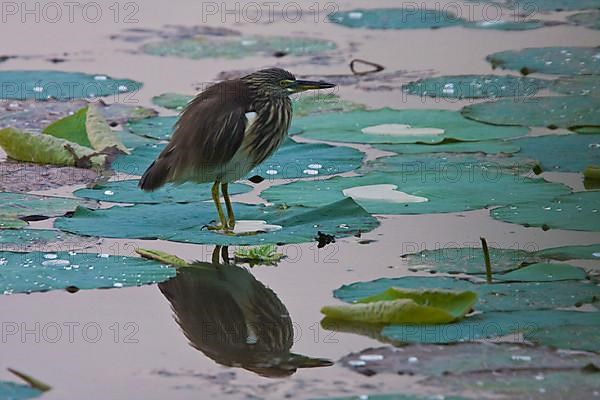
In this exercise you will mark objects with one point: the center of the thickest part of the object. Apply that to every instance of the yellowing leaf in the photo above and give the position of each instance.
(401, 306)
(71, 128)
(46, 149)
(99, 133)
(162, 257)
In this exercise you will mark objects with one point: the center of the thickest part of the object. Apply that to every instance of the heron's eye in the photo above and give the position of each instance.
(285, 83)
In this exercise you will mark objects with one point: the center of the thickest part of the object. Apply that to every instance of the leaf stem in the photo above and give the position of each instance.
(488, 263)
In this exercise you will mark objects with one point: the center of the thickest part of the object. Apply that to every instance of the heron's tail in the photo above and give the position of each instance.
(155, 176)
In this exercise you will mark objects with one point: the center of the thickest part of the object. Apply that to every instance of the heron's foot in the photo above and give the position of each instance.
(218, 228)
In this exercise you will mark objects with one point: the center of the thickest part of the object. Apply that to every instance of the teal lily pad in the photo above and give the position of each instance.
(397, 396)
(172, 101)
(44, 85)
(577, 85)
(516, 296)
(577, 211)
(400, 126)
(17, 391)
(543, 272)
(504, 25)
(308, 103)
(553, 112)
(486, 147)
(186, 222)
(237, 47)
(25, 240)
(128, 192)
(577, 337)
(531, 6)
(14, 206)
(431, 186)
(549, 60)
(40, 272)
(395, 18)
(476, 86)
(563, 153)
(590, 19)
(586, 252)
(291, 160)
(155, 128)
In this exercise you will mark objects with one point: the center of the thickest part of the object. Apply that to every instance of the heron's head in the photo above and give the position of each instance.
(277, 81)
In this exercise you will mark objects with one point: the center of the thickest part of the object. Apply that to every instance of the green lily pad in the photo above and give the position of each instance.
(553, 112)
(429, 186)
(400, 126)
(44, 85)
(237, 47)
(476, 86)
(503, 25)
(318, 103)
(16, 391)
(40, 272)
(156, 128)
(577, 211)
(128, 192)
(589, 252)
(486, 146)
(186, 222)
(543, 272)
(577, 85)
(25, 240)
(590, 19)
(20, 205)
(7, 222)
(490, 325)
(71, 128)
(395, 18)
(529, 6)
(549, 60)
(492, 297)
(564, 153)
(172, 101)
(403, 306)
(291, 160)
(576, 337)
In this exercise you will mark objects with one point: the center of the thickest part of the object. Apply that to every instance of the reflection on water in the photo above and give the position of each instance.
(234, 319)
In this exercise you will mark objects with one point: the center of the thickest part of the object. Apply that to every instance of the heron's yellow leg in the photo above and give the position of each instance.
(224, 189)
(217, 201)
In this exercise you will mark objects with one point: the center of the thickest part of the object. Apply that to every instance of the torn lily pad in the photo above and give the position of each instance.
(187, 222)
(291, 160)
(60, 85)
(25, 240)
(41, 271)
(400, 126)
(578, 211)
(237, 47)
(476, 86)
(29, 206)
(433, 185)
(172, 101)
(395, 18)
(549, 60)
(590, 19)
(571, 112)
(128, 192)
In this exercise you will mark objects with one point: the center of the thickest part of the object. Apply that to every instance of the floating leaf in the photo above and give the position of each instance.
(317, 103)
(543, 272)
(71, 128)
(577, 211)
(46, 149)
(589, 252)
(20, 205)
(24, 240)
(15, 391)
(399, 126)
(487, 147)
(575, 337)
(395, 18)
(237, 47)
(172, 101)
(186, 222)
(391, 397)
(129, 192)
(156, 128)
(592, 173)
(40, 272)
(432, 185)
(99, 133)
(549, 60)
(577, 85)
(529, 6)
(553, 112)
(60, 85)
(503, 25)
(401, 306)
(590, 19)
(266, 254)
(476, 86)
(161, 256)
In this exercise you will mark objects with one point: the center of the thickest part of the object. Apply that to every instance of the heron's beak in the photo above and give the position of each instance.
(301, 86)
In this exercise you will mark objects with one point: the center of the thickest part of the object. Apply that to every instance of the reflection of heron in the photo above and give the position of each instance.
(234, 319)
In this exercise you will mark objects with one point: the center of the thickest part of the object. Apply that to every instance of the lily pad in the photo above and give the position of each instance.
(395, 18)
(71, 128)
(492, 297)
(486, 146)
(434, 186)
(589, 252)
(60, 85)
(392, 397)
(156, 128)
(400, 126)
(529, 6)
(577, 337)
(403, 306)
(40, 272)
(128, 192)
(237, 47)
(16, 391)
(291, 160)
(549, 60)
(543, 272)
(476, 86)
(20, 205)
(590, 19)
(577, 211)
(577, 85)
(186, 222)
(172, 101)
(318, 103)
(25, 240)
(563, 153)
(554, 112)
(504, 25)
